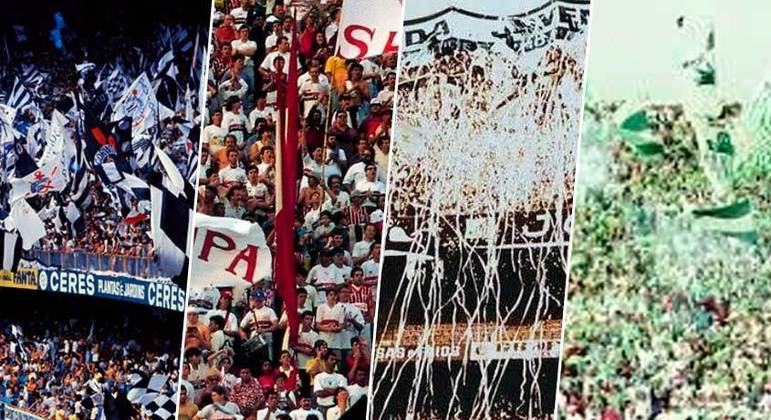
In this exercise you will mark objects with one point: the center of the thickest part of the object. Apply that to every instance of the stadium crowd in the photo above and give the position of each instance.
(50, 77)
(238, 361)
(65, 368)
(672, 322)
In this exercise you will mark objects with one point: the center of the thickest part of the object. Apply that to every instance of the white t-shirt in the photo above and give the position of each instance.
(246, 48)
(334, 316)
(235, 124)
(301, 414)
(232, 175)
(309, 339)
(368, 186)
(345, 270)
(355, 392)
(342, 202)
(267, 63)
(263, 317)
(215, 136)
(263, 414)
(325, 276)
(231, 320)
(371, 268)
(259, 190)
(239, 15)
(361, 248)
(272, 39)
(334, 413)
(310, 93)
(264, 113)
(352, 312)
(305, 77)
(325, 380)
(356, 172)
(229, 409)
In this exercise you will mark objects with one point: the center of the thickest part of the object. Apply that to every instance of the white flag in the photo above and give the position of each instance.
(49, 178)
(54, 150)
(139, 103)
(229, 252)
(27, 223)
(369, 28)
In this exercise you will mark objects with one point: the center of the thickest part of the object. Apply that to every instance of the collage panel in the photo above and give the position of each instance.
(291, 196)
(480, 197)
(98, 145)
(669, 291)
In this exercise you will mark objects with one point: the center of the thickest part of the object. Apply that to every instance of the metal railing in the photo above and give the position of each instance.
(143, 267)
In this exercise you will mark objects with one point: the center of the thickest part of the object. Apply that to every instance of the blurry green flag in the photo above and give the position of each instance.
(732, 220)
(637, 131)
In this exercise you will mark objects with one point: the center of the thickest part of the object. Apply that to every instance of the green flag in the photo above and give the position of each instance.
(732, 220)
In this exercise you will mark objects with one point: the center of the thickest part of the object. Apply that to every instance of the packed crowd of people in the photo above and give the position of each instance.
(60, 368)
(672, 322)
(52, 74)
(238, 360)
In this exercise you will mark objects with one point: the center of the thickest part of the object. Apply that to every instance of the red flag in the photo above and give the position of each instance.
(285, 256)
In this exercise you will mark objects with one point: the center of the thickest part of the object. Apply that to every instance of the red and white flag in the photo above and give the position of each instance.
(369, 28)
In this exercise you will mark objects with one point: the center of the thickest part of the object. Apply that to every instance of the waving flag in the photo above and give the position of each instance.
(733, 220)
(369, 28)
(20, 97)
(139, 103)
(46, 179)
(11, 247)
(27, 222)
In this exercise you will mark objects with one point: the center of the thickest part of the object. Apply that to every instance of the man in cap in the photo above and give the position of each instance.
(260, 320)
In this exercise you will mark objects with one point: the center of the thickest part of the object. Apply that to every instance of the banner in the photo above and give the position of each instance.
(155, 293)
(534, 26)
(228, 252)
(370, 27)
(21, 279)
(13, 413)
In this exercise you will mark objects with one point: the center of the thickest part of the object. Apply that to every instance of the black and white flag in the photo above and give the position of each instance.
(11, 246)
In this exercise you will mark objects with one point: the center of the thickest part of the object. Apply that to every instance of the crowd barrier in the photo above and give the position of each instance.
(142, 267)
(10, 412)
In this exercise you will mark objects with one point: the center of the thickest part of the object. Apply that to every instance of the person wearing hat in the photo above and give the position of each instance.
(260, 320)
(187, 408)
(197, 334)
(369, 125)
(224, 310)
